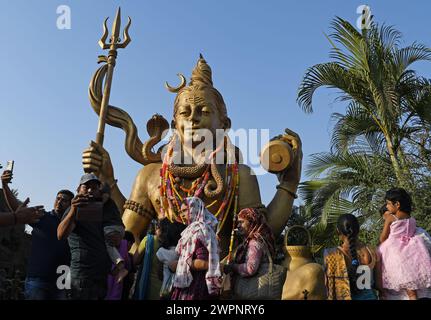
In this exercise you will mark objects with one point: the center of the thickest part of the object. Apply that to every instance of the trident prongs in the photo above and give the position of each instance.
(115, 41)
(126, 36)
(105, 36)
(114, 44)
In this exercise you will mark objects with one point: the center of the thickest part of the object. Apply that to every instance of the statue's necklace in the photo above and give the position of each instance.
(171, 199)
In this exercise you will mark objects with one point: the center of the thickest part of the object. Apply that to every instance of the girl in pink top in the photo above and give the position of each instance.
(405, 260)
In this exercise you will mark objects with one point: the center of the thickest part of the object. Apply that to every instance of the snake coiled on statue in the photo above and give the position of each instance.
(215, 185)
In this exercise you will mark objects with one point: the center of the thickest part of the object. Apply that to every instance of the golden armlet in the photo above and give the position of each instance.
(293, 194)
(139, 209)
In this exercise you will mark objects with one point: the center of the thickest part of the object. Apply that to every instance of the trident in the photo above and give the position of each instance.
(114, 44)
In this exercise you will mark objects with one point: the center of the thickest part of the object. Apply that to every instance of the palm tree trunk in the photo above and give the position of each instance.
(407, 174)
(394, 161)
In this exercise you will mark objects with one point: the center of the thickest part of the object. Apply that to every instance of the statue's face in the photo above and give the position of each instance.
(197, 110)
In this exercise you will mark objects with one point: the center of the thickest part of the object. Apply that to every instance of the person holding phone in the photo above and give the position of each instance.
(47, 252)
(83, 226)
(19, 212)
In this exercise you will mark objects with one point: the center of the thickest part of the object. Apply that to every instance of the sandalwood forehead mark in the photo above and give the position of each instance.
(195, 98)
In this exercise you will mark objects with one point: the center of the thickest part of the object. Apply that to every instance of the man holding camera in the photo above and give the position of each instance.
(47, 252)
(83, 226)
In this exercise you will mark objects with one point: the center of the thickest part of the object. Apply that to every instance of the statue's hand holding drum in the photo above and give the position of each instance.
(283, 156)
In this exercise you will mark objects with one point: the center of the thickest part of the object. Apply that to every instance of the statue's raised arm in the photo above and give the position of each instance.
(280, 207)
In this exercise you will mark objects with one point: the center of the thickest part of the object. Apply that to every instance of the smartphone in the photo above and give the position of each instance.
(9, 166)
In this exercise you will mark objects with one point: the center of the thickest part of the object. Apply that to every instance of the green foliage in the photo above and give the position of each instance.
(382, 139)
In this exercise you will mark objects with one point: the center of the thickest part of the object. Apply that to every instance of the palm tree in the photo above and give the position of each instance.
(381, 140)
(352, 182)
(384, 95)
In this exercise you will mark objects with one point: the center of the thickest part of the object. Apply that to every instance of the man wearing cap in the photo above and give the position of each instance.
(83, 226)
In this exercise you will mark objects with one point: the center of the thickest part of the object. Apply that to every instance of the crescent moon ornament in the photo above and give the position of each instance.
(176, 89)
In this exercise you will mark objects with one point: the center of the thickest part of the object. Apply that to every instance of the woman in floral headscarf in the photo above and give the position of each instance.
(198, 275)
(257, 239)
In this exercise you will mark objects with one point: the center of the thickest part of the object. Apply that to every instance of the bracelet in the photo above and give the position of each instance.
(293, 194)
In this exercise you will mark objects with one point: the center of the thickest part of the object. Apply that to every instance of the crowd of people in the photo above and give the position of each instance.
(180, 259)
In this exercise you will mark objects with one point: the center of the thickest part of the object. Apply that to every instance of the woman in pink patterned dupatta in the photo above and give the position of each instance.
(198, 275)
(257, 240)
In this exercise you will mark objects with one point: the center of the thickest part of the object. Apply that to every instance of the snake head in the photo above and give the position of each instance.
(157, 126)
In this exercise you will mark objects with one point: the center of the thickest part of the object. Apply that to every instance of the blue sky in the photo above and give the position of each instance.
(258, 51)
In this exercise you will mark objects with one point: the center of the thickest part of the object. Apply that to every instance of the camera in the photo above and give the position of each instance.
(92, 198)
(92, 211)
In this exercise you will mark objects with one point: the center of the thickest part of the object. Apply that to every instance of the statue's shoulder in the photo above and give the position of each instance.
(148, 174)
(245, 171)
(247, 175)
(249, 193)
(152, 167)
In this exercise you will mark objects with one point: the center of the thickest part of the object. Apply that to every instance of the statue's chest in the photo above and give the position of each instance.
(154, 196)
(184, 188)
(216, 187)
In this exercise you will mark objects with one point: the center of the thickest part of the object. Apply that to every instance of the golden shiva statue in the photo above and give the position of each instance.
(226, 186)
(197, 105)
